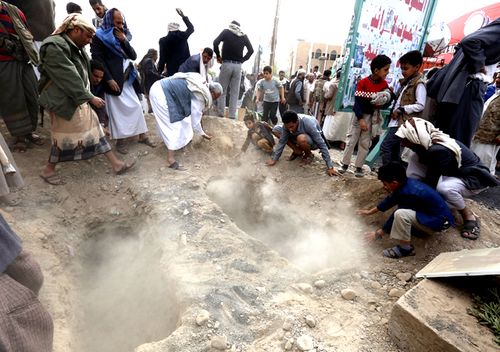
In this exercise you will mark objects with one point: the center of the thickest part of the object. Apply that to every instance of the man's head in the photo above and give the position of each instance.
(281, 74)
(97, 72)
(77, 29)
(236, 23)
(249, 120)
(268, 73)
(207, 55)
(380, 66)
(215, 90)
(98, 8)
(310, 77)
(71, 7)
(118, 21)
(392, 175)
(497, 79)
(410, 63)
(316, 69)
(290, 120)
(301, 73)
(327, 74)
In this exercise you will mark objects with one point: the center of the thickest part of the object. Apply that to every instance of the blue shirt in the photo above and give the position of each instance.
(307, 125)
(432, 211)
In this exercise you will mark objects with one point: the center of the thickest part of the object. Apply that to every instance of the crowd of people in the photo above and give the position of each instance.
(440, 146)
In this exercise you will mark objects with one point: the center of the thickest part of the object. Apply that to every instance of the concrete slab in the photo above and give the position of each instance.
(433, 317)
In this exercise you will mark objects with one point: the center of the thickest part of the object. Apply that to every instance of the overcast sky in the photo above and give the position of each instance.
(319, 21)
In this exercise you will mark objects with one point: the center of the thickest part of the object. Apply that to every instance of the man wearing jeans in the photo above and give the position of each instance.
(231, 59)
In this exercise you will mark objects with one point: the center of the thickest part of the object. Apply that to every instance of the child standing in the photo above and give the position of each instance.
(371, 94)
(259, 134)
(410, 103)
(271, 91)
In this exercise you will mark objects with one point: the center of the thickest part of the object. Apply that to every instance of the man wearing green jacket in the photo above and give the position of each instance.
(65, 94)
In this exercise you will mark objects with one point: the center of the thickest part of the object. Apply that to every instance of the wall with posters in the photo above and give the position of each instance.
(389, 27)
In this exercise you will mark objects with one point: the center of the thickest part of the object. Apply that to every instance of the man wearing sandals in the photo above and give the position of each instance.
(19, 97)
(448, 166)
(65, 94)
(302, 134)
(419, 207)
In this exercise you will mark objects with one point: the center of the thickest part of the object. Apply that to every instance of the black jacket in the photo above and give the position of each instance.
(174, 49)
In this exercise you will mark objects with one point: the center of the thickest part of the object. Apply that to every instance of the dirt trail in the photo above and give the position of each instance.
(136, 259)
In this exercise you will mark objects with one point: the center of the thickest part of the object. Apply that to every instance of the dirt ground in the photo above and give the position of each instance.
(229, 254)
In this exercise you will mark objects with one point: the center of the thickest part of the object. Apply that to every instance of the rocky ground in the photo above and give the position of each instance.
(228, 255)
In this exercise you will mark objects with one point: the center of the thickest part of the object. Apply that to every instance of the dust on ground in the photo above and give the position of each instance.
(140, 259)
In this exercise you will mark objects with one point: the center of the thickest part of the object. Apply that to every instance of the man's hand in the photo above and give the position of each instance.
(207, 137)
(114, 86)
(119, 34)
(364, 212)
(271, 162)
(395, 115)
(283, 101)
(97, 102)
(497, 140)
(219, 60)
(332, 172)
(374, 235)
(179, 11)
(363, 125)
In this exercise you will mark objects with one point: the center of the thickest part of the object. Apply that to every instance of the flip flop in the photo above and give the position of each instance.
(147, 141)
(471, 230)
(125, 168)
(53, 179)
(35, 139)
(397, 252)
(121, 148)
(176, 166)
(20, 147)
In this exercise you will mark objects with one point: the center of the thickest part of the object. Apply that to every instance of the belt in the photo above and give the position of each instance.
(232, 61)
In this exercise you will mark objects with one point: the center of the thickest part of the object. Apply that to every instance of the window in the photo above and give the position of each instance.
(317, 54)
(333, 55)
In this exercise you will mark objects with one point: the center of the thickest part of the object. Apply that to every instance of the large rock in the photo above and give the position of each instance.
(433, 317)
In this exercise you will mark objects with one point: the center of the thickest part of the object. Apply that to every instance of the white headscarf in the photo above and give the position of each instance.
(74, 20)
(422, 132)
(233, 27)
(172, 27)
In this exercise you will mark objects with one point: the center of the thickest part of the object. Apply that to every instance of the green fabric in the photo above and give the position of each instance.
(64, 78)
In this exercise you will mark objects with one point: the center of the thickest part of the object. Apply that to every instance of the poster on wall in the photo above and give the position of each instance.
(389, 27)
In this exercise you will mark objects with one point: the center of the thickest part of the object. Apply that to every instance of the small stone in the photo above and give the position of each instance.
(163, 168)
(183, 239)
(216, 325)
(222, 220)
(202, 317)
(305, 343)
(310, 321)
(396, 292)
(305, 287)
(186, 212)
(383, 321)
(320, 284)
(288, 345)
(376, 285)
(219, 343)
(288, 324)
(348, 294)
(404, 276)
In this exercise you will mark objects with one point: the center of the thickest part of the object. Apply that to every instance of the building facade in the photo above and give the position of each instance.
(306, 55)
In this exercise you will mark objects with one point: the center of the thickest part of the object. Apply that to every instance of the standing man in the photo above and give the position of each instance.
(459, 87)
(199, 63)
(18, 84)
(65, 94)
(174, 48)
(234, 41)
(295, 97)
(112, 48)
(286, 85)
(270, 91)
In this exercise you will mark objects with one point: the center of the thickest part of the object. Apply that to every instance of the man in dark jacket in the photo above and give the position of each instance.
(231, 58)
(295, 97)
(199, 63)
(459, 87)
(448, 166)
(174, 48)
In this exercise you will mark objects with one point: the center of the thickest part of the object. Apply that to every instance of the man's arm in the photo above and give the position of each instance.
(161, 61)
(474, 44)
(97, 50)
(281, 145)
(196, 114)
(217, 41)
(249, 47)
(245, 145)
(64, 74)
(189, 25)
(421, 96)
(298, 89)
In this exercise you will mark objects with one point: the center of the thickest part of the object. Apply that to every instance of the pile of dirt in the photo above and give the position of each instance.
(230, 254)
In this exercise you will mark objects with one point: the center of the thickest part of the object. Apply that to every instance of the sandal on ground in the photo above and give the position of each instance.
(35, 139)
(20, 147)
(293, 156)
(470, 230)
(176, 166)
(398, 252)
(148, 142)
(53, 179)
(121, 148)
(125, 168)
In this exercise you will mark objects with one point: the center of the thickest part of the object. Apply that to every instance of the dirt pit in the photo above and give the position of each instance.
(229, 255)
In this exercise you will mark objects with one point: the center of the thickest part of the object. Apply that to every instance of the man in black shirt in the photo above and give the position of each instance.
(234, 41)
(174, 48)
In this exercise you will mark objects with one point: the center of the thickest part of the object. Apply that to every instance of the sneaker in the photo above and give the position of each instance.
(359, 172)
(343, 169)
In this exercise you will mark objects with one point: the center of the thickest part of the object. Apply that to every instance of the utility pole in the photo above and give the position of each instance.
(275, 34)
